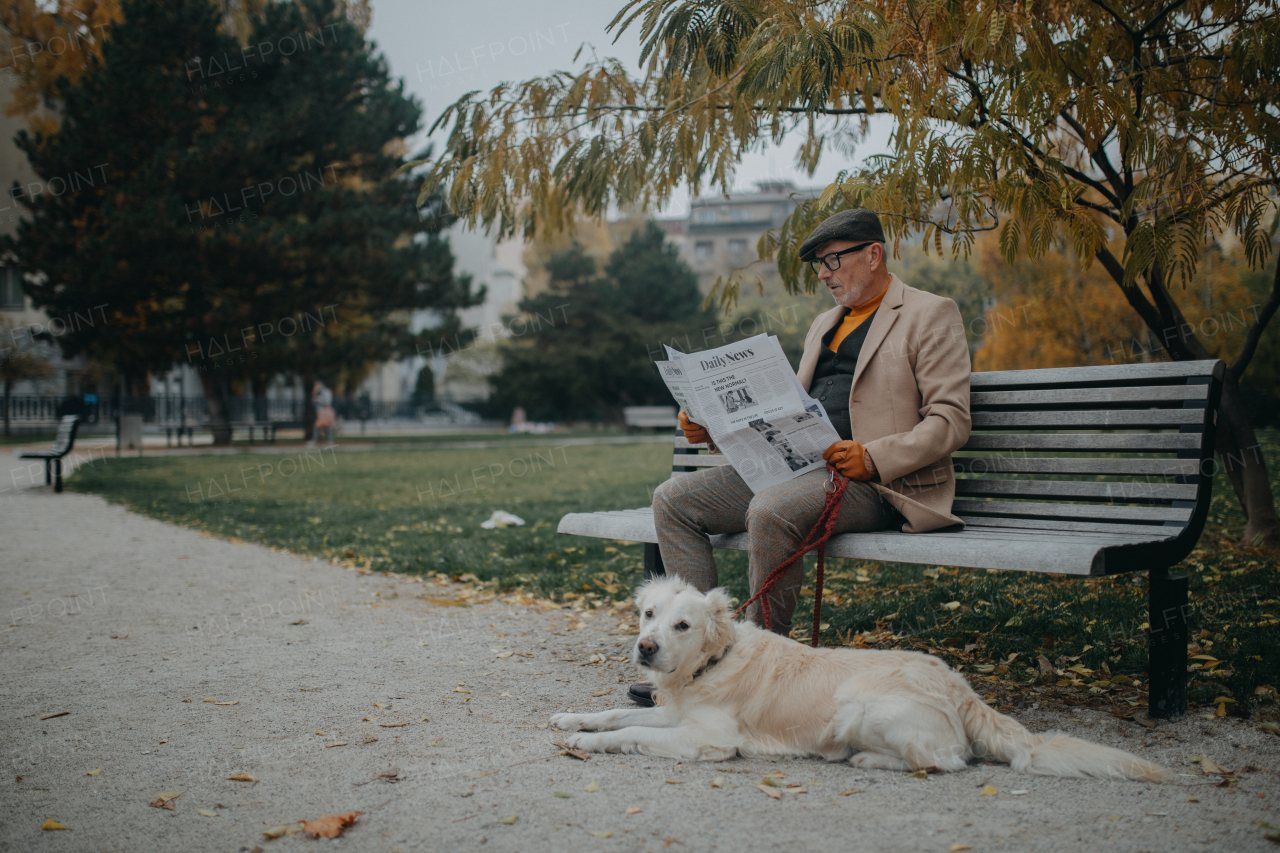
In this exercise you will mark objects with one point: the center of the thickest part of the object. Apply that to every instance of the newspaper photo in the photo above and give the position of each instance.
(749, 399)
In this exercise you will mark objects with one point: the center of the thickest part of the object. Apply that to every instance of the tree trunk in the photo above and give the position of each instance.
(215, 394)
(8, 390)
(1237, 445)
(308, 405)
(1246, 468)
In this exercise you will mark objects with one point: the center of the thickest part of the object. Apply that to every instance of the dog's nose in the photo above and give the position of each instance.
(647, 647)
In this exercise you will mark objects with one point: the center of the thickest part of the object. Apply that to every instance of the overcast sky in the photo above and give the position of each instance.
(443, 50)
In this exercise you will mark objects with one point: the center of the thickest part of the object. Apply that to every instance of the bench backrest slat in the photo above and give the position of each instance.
(1063, 397)
(1127, 491)
(1110, 374)
(1073, 465)
(1091, 419)
(1103, 443)
(66, 434)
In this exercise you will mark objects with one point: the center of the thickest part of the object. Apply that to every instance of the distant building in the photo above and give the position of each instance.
(719, 235)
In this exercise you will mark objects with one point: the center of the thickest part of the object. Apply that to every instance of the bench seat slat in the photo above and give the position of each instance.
(1097, 443)
(1071, 511)
(1078, 419)
(1147, 532)
(1114, 492)
(1086, 396)
(1074, 465)
(1113, 374)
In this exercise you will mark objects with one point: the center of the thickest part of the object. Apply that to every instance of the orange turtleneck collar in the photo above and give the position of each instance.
(855, 318)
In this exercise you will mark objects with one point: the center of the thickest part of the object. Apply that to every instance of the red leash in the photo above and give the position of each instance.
(822, 531)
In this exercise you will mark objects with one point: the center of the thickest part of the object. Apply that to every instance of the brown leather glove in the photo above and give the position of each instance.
(695, 433)
(851, 459)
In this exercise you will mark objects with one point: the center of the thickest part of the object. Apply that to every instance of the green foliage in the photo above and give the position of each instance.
(586, 345)
(227, 204)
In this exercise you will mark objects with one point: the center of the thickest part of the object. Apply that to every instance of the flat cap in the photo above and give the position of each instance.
(859, 225)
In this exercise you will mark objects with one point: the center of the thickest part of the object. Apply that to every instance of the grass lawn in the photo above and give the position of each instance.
(420, 511)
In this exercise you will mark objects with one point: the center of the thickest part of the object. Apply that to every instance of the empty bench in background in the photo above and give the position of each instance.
(1126, 490)
(62, 445)
(649, 417)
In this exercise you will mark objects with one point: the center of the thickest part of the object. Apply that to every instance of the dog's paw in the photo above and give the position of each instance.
(567, 722)
(583, 741)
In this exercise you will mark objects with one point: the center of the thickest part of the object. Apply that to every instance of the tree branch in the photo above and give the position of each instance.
(1241, 364)
(1161, 16)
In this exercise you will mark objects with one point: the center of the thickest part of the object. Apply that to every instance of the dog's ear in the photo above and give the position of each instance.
(645, 591)
(719, 631)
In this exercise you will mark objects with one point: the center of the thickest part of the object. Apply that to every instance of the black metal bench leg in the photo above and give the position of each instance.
(48, 475)
(57, 475)
(653, 567)
(1167, 645)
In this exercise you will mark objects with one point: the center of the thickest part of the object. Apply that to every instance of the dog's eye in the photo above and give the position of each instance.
(683, 626)
(648, 614)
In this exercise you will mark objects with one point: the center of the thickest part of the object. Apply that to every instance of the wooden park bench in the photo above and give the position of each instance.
(1076, 471)
(62, 445)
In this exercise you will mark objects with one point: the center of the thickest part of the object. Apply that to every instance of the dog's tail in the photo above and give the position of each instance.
(1003, 738)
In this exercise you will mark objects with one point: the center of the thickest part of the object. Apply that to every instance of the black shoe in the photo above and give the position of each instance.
(642, 694)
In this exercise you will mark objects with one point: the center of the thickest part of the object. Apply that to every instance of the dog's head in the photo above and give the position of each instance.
(680, 628)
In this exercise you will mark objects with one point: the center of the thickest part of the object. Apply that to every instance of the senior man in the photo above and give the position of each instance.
(890, 364)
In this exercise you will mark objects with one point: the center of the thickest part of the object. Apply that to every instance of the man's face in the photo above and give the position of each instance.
(856, 281)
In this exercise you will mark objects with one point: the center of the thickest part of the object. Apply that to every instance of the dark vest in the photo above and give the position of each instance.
(833, 377)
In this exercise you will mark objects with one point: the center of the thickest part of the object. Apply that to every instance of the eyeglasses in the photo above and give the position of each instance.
(832, 261)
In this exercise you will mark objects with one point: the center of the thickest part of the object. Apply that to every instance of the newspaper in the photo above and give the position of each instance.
(749, 399)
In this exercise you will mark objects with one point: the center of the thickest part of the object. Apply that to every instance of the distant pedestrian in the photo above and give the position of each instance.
(322, 397)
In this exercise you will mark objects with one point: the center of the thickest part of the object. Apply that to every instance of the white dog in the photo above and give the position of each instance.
(728, 688)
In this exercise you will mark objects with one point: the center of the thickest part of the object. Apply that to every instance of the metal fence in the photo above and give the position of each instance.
(34, 412)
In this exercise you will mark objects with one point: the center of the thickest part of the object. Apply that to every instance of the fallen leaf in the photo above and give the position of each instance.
(989, 791)
(54, 714)
(94, 772)
(717, 782)
(919, 774)
(504, 654)
(572, 751)
(242, 777)
(602, 834)
(392, 725)
(1209, 768)
(299, 622)
(1270, 727)
(1018, 793)
(456, 690)
(852, 791)
(330, 825)
(954, 847)
(51, 824)
(280, 831)
(592, 787)
(603, 692)
(772, 792)
(376, 705)
(508, 820)
(633, 810)
(765, 781)
(674, 781)
(1192, 800)
(370, 740)
(164, 800)
(211, 700)
(236, 702)
(335, 743)
(207, 813)
(564, 795)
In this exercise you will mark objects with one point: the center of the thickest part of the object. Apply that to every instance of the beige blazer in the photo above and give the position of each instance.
(910, 399)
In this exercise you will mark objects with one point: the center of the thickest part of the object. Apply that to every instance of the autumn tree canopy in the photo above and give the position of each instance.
(1150, 122)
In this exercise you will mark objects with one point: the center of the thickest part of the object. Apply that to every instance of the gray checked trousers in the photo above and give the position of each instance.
(687, 509)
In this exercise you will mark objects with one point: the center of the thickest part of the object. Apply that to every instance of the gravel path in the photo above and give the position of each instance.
(131, 627)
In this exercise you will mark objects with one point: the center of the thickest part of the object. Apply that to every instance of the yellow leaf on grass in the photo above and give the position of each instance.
(1270, 727)
(335, 743)
(207, 813)
(989, 791)
(564, 795)
(767, 781)
(772, 792)
(592, 787)
(242, 777)
(166, 796)
(602, 834)
(94, 772)
(51, 824)
(919, 774)
(952, 605)
(508, 820)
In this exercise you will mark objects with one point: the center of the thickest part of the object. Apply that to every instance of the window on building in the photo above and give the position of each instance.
(702, 250)
(705, 215)
(742, 214)
(10, 289)
(737, 246)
